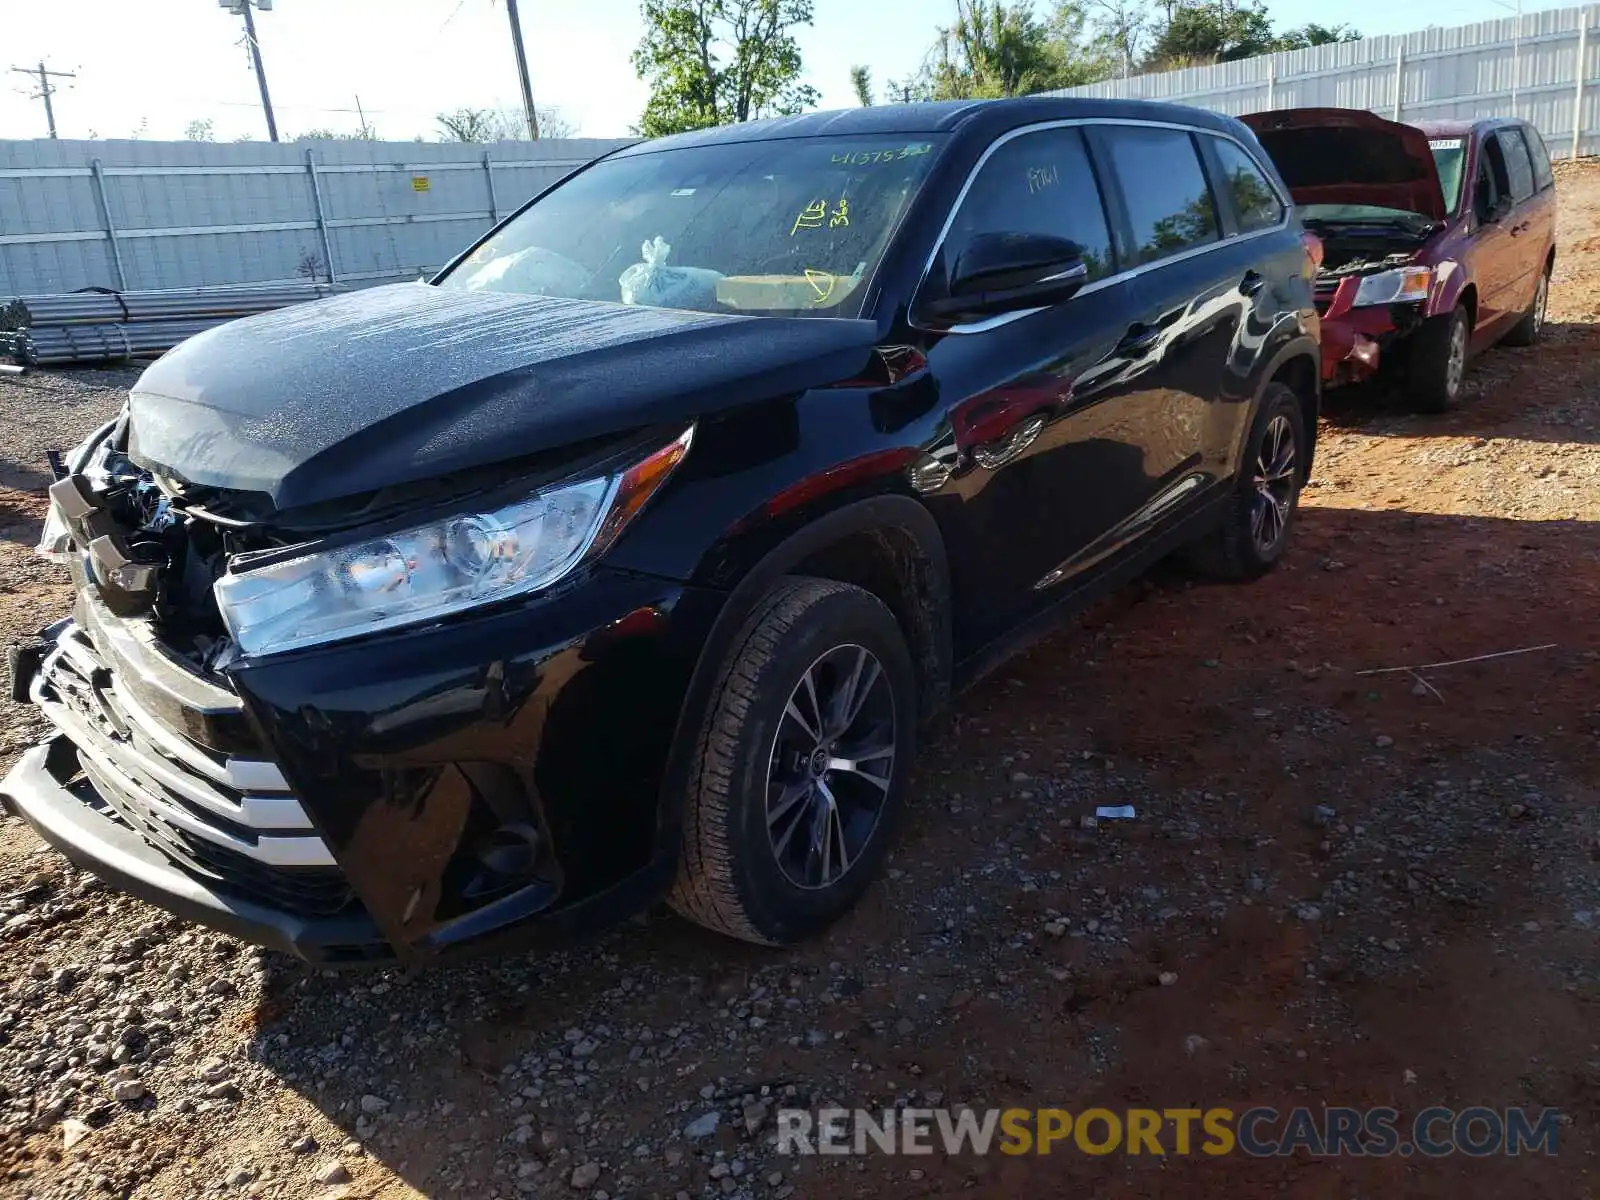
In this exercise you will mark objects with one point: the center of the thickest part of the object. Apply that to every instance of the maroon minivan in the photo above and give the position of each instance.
(1438, 239)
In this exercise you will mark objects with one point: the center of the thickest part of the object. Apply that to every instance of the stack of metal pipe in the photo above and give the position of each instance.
(96, 326)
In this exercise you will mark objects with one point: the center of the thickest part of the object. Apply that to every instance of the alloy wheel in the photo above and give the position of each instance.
(831, 765)
(1274, 481)
(1456, 365)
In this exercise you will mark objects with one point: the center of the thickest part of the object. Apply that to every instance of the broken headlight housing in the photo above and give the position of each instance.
(444, 567)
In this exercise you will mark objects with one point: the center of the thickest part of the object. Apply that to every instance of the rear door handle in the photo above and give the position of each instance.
(1523, 228)
(1138, 340)
(1252, 283)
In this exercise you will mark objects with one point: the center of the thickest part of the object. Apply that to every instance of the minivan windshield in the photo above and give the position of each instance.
(792, 227)
(1449, 159)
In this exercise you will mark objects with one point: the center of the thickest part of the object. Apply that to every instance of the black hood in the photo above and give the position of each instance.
(405, 383)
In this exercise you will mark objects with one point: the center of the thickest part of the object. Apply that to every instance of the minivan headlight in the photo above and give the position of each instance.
(1394, 287)
(433, 570)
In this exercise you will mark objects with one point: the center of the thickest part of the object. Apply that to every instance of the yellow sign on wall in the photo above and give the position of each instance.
(419, 183)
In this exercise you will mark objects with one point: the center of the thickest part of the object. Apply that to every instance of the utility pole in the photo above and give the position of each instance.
(241, 8)
(522, 69)
(46, 89)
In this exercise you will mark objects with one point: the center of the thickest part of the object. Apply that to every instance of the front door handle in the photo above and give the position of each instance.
(1138, 340)
(1252, 283)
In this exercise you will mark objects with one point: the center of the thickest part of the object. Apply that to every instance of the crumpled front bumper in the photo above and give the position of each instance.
(359, 803)
(76, 821)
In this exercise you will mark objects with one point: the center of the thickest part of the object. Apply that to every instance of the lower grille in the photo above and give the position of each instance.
(188, 804)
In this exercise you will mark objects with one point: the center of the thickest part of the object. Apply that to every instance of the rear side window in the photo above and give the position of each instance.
(1037, 183)
(1543, 176)
(1168, 200)
(1255, 203)
(1519, 167)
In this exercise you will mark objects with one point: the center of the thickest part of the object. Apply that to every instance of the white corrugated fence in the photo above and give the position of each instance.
(138, 215)
(1542, 68)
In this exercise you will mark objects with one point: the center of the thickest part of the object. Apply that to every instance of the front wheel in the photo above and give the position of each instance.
(1438, 361)
(801, 765)
(1255, 526)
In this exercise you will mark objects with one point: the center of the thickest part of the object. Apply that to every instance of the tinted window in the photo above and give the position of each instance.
(1037, 183)
(1543, 177)
(1519, 167)
(1169, 203)
(1255, 203)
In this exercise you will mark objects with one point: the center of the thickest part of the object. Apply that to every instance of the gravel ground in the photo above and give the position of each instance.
(1338, 889)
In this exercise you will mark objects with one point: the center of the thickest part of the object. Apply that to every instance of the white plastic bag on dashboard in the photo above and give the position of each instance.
(653, 282)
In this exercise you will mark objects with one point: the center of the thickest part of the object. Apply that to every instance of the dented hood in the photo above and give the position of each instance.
(409, 382)
(1350, 156)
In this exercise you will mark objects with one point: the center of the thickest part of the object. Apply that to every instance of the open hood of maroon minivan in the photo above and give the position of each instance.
(1351, 156)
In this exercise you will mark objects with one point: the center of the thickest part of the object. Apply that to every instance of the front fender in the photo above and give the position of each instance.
(1451, 279)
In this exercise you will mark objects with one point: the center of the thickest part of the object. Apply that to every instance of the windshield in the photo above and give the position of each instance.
(787, 227)
(1449, 159)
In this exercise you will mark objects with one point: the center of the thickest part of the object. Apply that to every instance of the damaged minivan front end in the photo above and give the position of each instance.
(1371, 191)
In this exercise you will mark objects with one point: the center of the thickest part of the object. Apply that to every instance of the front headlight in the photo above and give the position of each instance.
(1394, 287)
(434, 570)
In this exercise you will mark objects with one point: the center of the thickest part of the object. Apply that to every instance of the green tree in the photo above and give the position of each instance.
(1213, 31)
(712, 62)
(998, 49)
(861, 81)
(1316, 35)
(200, 130)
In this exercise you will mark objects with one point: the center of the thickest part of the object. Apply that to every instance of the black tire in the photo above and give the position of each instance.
(733, 876)
(1437, 361)
(1237, 548)
(1527, 331)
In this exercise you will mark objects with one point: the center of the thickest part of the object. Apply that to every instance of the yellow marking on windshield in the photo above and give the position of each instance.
(811, 217)
(861, 158)
(821, 283)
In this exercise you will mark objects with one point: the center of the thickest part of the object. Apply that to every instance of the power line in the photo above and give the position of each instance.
(46, 89)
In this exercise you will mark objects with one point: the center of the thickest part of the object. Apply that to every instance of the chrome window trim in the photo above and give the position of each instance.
(1120, 276)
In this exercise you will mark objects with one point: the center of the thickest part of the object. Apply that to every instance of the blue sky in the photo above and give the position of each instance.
(148, 67)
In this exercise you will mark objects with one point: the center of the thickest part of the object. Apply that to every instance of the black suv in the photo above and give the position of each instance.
(626, 557)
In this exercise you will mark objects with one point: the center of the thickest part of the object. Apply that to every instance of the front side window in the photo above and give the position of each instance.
(1255, 202)
(1165, 189)
(784, 227)
(1037, 183)
(1519, 167)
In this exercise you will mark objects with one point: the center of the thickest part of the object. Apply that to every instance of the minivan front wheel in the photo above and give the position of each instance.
(801, 764)
(1438, 361)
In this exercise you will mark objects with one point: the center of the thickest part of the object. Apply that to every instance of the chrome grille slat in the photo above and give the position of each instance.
(243, 775)
(187, 802)
(272, 850)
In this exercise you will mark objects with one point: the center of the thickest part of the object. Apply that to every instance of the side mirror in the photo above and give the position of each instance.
(1003, 272)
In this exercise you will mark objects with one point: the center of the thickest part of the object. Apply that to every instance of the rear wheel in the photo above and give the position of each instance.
(1254, 531)
(1528, 330)
(801, 765)
(1438, 361)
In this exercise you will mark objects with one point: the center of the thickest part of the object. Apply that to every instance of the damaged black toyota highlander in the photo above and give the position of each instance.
(625, 557)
